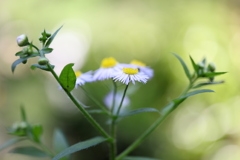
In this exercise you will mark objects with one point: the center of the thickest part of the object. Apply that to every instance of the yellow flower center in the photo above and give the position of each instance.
(78, 73)
(139, 63)
(130, 70)
(108, 62)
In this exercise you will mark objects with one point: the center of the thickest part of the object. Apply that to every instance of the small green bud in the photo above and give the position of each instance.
(43, 61)
(22, 40)
(46, 33)
(211, 67)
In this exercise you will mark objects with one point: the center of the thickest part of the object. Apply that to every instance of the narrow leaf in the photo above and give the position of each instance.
(184, 66)
(212, 74)
(67, 77)
(14, 65)
(196, 92)
(137, 111)
(42, 67)
(30, 151)
(23, 114)
(11, 142)
(19, 53)
(194, 65)
(49, 41)
(46, 50)
(138, 158)
(208, 83)
(80, 146)
(59, 141)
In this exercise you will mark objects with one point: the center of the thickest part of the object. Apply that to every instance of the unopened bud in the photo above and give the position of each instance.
(43, 61)
(22, 40)
(211, 67)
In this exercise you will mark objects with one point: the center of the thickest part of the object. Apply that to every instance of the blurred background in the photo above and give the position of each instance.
(204, 127)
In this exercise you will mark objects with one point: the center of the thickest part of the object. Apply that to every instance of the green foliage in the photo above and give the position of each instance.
(29, 151)
(138, 158)
(80, 146)
(60, 143)
(67, 77)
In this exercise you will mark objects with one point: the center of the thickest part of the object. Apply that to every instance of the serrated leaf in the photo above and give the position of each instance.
(67, 77)
(137, 111)
(30, 151)
(212, 74)
(45, 68)
(138, 158)
(46, 50)
(80, 146)
(50, 39)
(59, 141)
(11, 142)
(184, 66)
(208, 83)
(14, 65)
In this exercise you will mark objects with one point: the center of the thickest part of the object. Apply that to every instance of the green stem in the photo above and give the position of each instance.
(142, 137)
(113, 129)
(84, 112)
(114, 97)
(124, 93)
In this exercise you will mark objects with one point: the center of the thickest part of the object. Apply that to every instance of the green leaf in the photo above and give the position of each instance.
(42, 67)
(194, 65)
(37, 131)
(49, 41)
(208, 83)
(80, 146)
(196, 92)
(184, 66)
(19, 53)
(11, 142)
(14, 65)
(212, 74)
(30, 151)
(59, 141)
(67, 77)
(137, 111)
(138, 158)
(46, 50)
(23, 114)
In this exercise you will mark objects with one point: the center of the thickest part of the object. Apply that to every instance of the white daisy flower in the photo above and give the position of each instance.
(131, 74)
(107, 69)
(143, 68)
(82, 78)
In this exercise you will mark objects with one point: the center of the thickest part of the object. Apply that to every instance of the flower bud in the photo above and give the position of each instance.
(22, 40)
(43, 61)
(211, 67)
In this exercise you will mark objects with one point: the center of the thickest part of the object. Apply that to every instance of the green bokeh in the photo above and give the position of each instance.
(205, 127)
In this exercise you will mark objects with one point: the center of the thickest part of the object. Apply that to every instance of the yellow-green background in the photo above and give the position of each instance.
(205, 127)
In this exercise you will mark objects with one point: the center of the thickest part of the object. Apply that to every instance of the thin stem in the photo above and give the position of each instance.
(124, 93)
(139, 140)
(114, 97)
(84, 112)
(113, 128)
